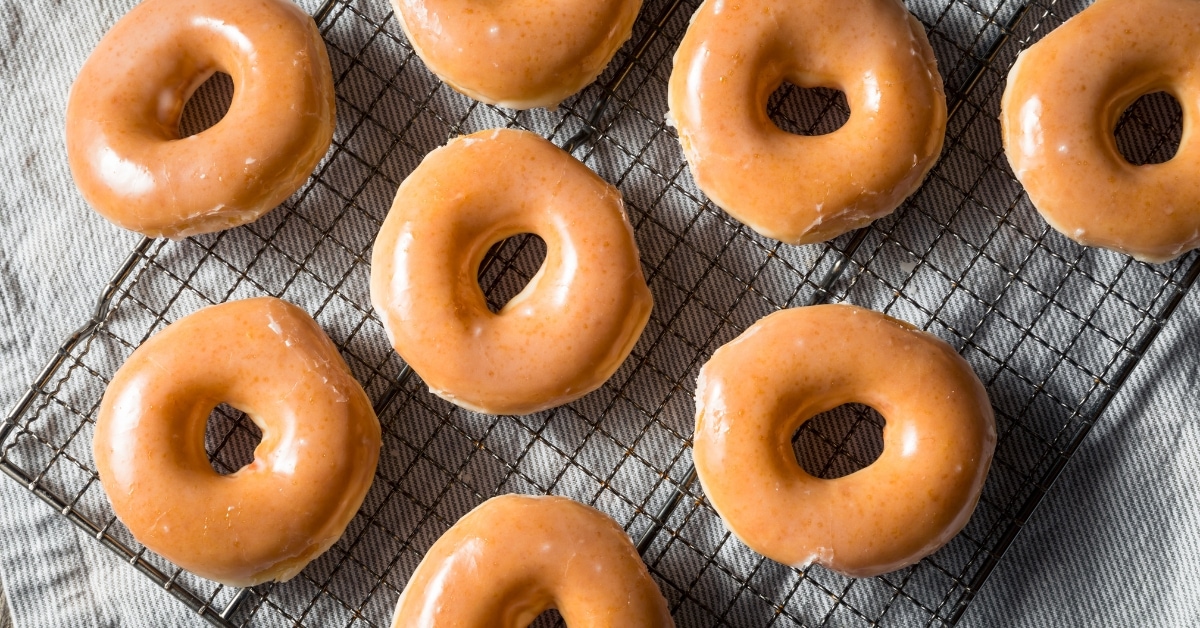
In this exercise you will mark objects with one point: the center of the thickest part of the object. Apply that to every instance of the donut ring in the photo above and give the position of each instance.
(123, 115)
(756, 392)
(320, 442)
(806, 189)
(517, 53)
(1064, 98)
(563, 335)
(514, 556)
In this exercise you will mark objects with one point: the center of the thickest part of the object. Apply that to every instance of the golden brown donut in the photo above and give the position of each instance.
(801, 189)
(517, 53)
(759, 389)
(1064, 98)
(514, 557)
(123, 114)
(558, 339)
(320, 442)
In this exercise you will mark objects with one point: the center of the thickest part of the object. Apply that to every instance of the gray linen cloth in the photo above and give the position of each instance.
(1115, 542)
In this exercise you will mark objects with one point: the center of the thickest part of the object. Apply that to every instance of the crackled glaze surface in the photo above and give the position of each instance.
(320, 442)
(566, 332)
(124, 109)
(1064, 98)
(756, 391)
(515, 556)
(517, 53)
(805, 189)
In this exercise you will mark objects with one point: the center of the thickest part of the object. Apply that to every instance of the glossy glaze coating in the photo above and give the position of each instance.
(517, 53)
(760, 388)
(566, 332)
(124, 109)
(1064, 98)
(514, 557)
(805, 189)
(320, 442)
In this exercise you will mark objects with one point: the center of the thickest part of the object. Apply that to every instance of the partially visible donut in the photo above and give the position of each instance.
(558, 339)
(513, 557)
(1064, 98)
(802, 189)
(320, 442)
(123, 115)
(517, 53)
(756, 391)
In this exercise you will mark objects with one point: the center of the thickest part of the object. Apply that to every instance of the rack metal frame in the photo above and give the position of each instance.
(1053, 329)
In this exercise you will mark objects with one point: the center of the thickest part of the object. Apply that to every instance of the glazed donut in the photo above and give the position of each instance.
(756, 392)
(558, 339)
(123, 114)
(519, 54)
(801, 189)
(320, 442)
(1064, 98)
(514, 556)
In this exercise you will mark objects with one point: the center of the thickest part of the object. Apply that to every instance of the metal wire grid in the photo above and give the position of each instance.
(1052, 328)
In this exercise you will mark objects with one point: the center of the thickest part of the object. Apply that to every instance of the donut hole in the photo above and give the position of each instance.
(513, 263)
(808, 110)
(1150, 130)
(230, 439)
(548, 619)
(208, 104)
(840, 441)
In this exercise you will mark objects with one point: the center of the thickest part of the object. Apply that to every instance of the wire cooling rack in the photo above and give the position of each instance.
(1053, 329)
